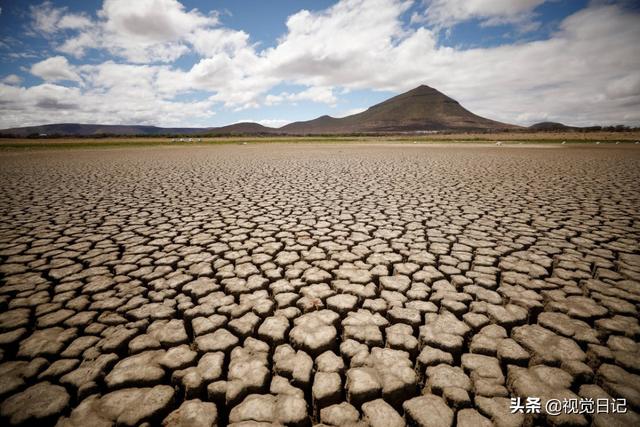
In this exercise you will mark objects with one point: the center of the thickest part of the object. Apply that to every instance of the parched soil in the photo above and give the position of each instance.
(377, 285)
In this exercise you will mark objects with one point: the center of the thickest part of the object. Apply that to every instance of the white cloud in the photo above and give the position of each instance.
(150, 29)
(318, 46)
(40, 98)
(48, 19)
(238, 79)
(53, 103)
(109, 93)
(76, 46)
(140, 31)
(56, 68)
(209, 42)
(12, 79)
(446, 13)
(315, 94)
(73, 22)
(152, 21)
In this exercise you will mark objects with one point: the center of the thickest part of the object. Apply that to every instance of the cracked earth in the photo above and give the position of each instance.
(358, 285)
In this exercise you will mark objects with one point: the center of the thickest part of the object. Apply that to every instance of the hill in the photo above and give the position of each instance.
(551, 127)
(76, 129)
(244, 128)
(420, 109)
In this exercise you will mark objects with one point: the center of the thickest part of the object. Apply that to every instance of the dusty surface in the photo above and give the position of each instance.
(364, 285)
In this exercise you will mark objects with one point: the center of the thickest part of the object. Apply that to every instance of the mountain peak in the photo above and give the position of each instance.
(422, 88)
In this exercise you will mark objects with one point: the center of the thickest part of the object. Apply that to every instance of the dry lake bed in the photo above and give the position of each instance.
(342, 284)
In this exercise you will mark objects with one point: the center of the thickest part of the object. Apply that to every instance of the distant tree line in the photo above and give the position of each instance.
(612, 128)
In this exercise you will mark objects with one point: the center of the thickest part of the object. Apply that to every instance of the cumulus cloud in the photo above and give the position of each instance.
(77, 46)
(354, 33)
(72, 21)
(54, 103)
(446, 13)
(150, 29)
(208, 42)
(48, 19)
(315, 94)
(139, 31)
(12, 79)
(152, 20)
(54, 69)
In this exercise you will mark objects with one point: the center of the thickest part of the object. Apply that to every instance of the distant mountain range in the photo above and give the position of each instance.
(84, 130)
(423, 109)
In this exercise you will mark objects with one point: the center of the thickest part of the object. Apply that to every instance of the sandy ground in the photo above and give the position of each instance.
(365, 284)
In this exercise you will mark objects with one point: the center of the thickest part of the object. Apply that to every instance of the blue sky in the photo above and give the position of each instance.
(211, 63)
